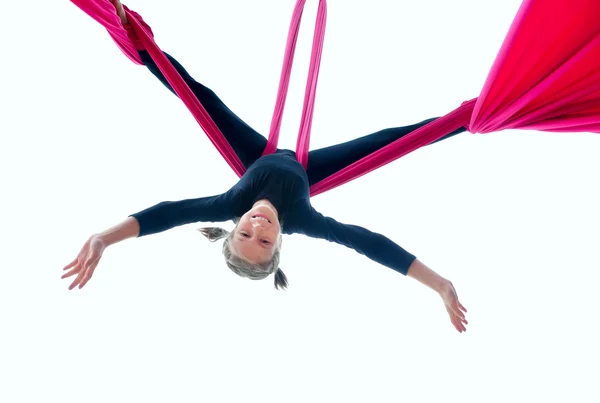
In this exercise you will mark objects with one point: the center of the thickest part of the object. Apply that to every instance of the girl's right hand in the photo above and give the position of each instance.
(85, 263)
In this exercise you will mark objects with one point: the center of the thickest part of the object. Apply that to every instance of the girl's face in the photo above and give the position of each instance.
(257, 234)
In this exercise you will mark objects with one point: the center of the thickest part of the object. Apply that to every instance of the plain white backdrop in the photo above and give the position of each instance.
(88, 137)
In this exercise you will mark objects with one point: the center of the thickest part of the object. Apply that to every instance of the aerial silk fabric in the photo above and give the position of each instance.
(546, 76)
(303, 142)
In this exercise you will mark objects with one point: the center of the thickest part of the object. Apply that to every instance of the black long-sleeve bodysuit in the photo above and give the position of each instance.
(282, 180)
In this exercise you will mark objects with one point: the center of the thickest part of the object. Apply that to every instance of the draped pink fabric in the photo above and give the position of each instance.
(545, 77)
(303, 142)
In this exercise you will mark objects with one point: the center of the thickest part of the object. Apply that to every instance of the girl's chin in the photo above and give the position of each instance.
(265, 210)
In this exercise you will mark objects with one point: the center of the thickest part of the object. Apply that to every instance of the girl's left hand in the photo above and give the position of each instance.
(455, 309)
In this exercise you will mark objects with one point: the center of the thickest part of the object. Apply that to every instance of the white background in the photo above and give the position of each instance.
(88, 137)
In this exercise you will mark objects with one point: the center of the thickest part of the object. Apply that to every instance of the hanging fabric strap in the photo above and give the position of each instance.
(303, 142)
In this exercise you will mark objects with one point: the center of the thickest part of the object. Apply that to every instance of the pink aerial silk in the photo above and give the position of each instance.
(545, 77)
(302, 144)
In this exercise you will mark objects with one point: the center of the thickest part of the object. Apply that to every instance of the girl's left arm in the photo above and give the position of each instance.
(375, 246)
(381, 249)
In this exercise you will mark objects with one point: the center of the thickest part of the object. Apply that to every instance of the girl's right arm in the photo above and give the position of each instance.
(159, 218)
(130, 228)
(88, 258)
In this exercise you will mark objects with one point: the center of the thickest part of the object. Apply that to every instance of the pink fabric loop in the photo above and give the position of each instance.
(284, 80)
(303, 142)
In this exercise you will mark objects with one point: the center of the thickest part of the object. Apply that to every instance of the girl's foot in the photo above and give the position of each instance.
(120, 11)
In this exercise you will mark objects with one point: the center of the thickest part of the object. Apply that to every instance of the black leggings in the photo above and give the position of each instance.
(248, 144)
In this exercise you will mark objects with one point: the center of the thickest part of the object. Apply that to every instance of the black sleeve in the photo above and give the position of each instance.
(373, 245)
(170, 214)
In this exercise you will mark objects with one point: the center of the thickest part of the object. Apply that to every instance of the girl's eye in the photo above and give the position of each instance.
(265, 242)
(245, 235)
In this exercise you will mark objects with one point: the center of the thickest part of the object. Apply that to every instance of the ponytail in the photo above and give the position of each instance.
(213, 233)
(280, 279)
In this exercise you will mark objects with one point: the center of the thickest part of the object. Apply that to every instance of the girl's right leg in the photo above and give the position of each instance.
(326, 161)
(247, 143)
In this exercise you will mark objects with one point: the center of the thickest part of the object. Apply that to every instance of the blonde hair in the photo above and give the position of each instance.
(242, 267)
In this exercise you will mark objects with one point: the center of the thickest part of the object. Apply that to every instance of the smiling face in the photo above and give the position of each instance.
(257, 234)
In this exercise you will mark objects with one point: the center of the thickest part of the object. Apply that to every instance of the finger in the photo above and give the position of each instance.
(73, 263)
(83, 273)
(460, 315)
(456, 323)
(88, 275)
(452, 318)
(463, 324)
(74, 283)
(462, 307)
(74, 270)
(77, 279)
(457, 311)
(71, 273)
(86, 278)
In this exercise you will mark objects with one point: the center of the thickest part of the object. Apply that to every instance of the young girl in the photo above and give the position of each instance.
(271, 199)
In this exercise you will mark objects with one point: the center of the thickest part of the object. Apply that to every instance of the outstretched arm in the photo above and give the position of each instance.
(158, 218)
(386, 252)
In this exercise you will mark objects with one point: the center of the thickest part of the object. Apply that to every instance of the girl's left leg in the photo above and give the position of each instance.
(247, 143)
(326, 161)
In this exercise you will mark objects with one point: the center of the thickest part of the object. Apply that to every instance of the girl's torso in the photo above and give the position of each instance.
(282, 180)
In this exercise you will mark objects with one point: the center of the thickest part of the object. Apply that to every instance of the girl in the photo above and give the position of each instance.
(271, 199)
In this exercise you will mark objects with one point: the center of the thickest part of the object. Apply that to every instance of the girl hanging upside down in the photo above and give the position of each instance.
(271, 199)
